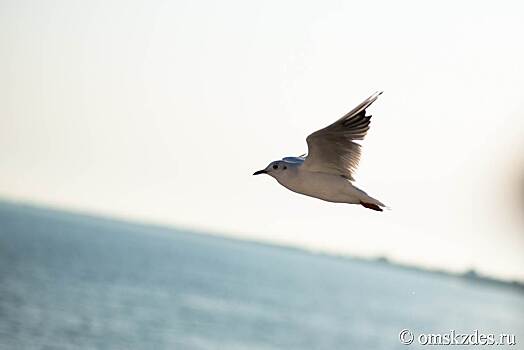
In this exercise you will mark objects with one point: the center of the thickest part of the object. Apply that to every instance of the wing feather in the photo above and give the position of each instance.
(332, 150)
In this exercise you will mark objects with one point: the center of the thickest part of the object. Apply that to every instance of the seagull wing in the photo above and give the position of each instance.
(332, 150)
(294, 160)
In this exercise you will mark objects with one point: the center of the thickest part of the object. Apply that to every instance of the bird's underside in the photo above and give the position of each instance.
(325, 186)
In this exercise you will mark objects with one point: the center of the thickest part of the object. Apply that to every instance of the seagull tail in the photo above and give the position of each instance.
(369, 202)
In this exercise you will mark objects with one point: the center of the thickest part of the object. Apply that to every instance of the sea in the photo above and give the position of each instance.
(71, 281)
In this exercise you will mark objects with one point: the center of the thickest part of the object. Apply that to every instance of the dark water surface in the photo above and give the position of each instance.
(76, 282)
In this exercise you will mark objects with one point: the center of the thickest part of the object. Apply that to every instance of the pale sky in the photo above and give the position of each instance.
(160, 111)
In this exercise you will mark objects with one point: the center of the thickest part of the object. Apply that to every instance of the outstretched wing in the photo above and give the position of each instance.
(332, 150)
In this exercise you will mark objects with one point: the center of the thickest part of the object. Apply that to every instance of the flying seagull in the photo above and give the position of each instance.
(327, 170)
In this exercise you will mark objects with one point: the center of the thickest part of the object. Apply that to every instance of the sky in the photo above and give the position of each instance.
(160, 111)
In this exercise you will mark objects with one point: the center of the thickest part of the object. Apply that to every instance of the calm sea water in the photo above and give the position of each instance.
(75, 282)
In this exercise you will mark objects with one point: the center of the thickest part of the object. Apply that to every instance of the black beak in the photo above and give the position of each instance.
(260, 172)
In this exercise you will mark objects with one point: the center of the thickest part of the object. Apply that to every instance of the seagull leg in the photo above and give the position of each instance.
(370, 206)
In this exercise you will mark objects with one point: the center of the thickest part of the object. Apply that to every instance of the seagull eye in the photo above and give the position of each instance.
(275, 166)
(285, 167)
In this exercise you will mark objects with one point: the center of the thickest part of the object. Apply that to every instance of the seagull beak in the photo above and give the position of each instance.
(260, 172)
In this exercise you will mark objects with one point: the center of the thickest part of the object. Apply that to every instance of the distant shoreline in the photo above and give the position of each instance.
(470, 275)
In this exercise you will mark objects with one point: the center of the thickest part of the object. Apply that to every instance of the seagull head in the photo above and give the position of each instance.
(274, 169)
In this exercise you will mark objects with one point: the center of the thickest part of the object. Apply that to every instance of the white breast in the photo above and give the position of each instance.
(329, 187)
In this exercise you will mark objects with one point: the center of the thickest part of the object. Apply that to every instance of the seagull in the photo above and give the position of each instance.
(326, 172)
